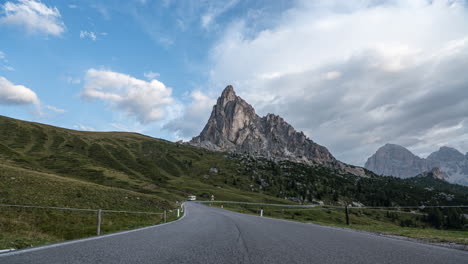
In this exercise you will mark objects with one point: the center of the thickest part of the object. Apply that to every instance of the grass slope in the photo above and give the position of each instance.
(123, 160)
(380, 221)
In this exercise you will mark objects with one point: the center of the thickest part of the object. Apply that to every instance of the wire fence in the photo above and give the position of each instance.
(28, 225)
(455, 216)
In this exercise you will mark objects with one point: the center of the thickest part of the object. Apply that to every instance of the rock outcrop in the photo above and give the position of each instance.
(435, 173)
(235, 127)
(395, 160)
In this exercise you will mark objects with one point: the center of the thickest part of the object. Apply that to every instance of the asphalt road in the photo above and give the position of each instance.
(210, 235)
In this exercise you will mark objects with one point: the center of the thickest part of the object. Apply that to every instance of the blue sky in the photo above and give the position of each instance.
(353, 75)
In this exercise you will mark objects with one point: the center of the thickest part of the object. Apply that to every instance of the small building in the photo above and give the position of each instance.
(192, 198)
(212, 197)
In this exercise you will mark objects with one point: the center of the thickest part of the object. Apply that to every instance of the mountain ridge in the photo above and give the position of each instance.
(234, 126)
(396, 160)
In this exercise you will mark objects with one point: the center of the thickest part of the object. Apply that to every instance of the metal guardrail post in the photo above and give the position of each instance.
(98, 229)
(347, 215)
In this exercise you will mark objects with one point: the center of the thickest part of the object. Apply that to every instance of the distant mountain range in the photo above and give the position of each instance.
(235, 127)
(395, 160)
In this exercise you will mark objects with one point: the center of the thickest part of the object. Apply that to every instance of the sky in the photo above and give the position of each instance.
(353, 75)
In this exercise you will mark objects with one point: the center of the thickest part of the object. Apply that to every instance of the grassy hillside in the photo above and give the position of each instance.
(23, 227)
(127, 161)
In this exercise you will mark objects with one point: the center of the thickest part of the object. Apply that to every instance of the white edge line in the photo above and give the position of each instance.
(59, 244)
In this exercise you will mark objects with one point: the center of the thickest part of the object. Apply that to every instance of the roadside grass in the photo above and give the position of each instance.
(398, 223)
(25, 227)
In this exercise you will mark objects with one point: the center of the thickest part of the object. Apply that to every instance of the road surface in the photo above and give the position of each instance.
(211, 235)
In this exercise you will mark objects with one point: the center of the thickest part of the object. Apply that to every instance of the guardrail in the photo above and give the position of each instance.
(415, 210)
(99, 218)
(266, 204)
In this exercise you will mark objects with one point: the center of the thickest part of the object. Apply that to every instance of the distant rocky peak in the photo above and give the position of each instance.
(446, 163)
(390, 146)
(235, 127)
(394, 151)
(395, 160)
(445, 154)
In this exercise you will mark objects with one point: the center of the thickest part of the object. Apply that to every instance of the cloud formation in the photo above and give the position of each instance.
(188, 124)
(354, 75)
(146, 101)
(216, 9)
(33, 16)
(55, 109)
(88, 34)
(84, 128)
(11, 94)
(151, 75)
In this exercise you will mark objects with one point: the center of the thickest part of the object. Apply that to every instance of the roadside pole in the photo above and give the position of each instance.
(347, 215)
(261, 212)
(98, 229)
(165, 218)
(178, 212)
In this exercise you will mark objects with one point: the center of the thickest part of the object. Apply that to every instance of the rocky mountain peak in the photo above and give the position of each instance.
(395, 160)
(228, 95)
(446, 163)
(235, 127)
(445, 154)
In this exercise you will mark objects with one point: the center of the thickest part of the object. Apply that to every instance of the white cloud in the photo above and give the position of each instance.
(72, 6)
(34, 16)
(151, 75)
(147, 101)
(55, 109)
(132, 127)
(217, 9)
(355, 75)
(8, 68)
(331, 75)
(11, 94)
(87, 34)
(194, 116)
(84, 128)
(72, 80)
(4, 60)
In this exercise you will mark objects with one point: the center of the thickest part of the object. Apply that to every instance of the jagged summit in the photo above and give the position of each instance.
(446, 163)
(235, 127)
(228, 92)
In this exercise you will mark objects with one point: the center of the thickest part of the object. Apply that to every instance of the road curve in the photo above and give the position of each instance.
(211, 235)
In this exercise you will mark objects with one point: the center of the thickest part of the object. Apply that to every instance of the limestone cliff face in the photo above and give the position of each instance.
(395, 160)
(235, 127)
(452, 163)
